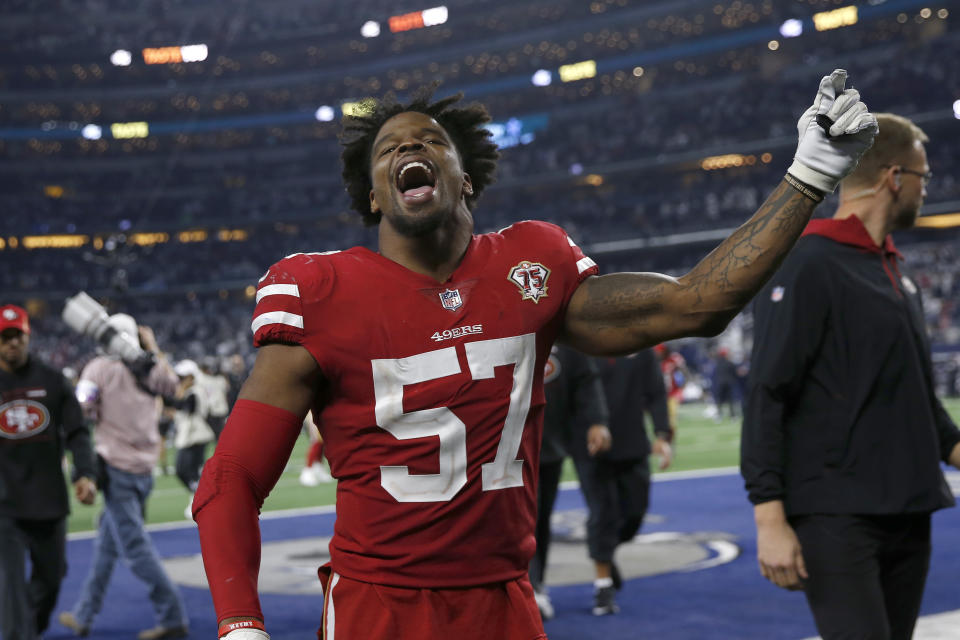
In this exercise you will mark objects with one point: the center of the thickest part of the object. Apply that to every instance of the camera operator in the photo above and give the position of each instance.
(39, 418)
(126, 408)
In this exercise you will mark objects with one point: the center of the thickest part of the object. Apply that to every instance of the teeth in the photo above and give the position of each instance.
(414, 164)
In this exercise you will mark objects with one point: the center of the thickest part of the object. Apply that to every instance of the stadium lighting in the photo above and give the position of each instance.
(435, 16)
(194, 52)
(541, 78)
(174, 55)
(370, 29)
(121, 58)
(956, 109)
(91, 132)
(125, 130)
(791, 28)
(578, 71)
(842, 17)
(325, 113)
(418, 19)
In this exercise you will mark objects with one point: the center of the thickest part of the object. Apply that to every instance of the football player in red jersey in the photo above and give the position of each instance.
(424, 365)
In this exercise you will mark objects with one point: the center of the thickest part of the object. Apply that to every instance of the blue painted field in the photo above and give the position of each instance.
(728, 601)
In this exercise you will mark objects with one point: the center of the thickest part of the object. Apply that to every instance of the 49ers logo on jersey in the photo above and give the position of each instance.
(531, 277)
(22, 419)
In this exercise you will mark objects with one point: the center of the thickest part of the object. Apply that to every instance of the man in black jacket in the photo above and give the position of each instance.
(616, 483)
(575, 418)
(39, 416)
(843, 435)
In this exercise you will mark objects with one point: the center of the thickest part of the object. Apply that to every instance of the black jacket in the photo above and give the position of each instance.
(634, 385)
(574, 403)
(39, 416)
(841, 414)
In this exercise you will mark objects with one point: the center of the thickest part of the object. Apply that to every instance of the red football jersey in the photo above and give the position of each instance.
(433, 410)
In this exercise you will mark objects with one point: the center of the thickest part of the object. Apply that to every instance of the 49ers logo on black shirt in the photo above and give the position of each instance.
(22, 419)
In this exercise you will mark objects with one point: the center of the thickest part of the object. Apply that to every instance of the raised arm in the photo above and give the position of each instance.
(251, 454)
(624, 312)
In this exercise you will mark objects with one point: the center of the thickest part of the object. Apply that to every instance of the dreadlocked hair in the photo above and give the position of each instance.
(464, 124)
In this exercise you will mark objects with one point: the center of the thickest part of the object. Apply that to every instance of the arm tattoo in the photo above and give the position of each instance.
(623, 312)
(753, 250)
(612, 302)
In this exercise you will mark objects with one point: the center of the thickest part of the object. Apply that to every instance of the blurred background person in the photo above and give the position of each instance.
(576, 411)
(192, 431)
(126, 411)
(313, 472)
(39, 419)
(216, 387)
(675, 375)
(724, 387)
(616, 483)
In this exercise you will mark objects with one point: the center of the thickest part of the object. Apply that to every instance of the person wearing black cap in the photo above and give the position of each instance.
(39, 418)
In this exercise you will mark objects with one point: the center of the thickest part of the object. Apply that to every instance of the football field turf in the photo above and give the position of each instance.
(702, 443)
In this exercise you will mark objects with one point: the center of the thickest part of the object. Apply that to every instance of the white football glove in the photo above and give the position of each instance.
(825, 158)
(246, 634)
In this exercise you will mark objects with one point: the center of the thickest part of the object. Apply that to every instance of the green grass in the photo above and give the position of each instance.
(702, 443)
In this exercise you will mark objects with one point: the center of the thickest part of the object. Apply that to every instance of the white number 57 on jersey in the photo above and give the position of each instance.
(390, 376)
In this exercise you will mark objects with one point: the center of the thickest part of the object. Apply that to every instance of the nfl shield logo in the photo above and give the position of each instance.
(451, 299)
(777, 294)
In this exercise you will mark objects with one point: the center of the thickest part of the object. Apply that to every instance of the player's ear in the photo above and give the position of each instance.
(467, 188)
(374, 207)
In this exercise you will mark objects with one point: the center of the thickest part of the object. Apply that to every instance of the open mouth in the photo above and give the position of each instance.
(416, 181)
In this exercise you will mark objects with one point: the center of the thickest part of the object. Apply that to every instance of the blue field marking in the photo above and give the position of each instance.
(726, 602)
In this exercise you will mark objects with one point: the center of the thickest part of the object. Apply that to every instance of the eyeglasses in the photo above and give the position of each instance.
(925, 176)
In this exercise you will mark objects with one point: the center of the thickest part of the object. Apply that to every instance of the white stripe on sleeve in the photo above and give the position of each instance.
(585, 263)
(277, 317)
(278, 290)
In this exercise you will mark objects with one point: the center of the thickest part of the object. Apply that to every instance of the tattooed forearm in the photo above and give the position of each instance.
(623, 312)
(733, 272)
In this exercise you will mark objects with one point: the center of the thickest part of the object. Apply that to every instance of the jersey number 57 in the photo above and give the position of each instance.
(391, 374)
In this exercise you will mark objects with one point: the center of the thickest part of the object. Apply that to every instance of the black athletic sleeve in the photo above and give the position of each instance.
(77, 435)
(790, 315)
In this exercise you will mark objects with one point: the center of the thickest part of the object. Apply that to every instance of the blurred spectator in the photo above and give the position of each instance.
(126, 410)
(193, 432)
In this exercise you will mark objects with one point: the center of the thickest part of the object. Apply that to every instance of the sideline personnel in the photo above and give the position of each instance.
(39, 416)
(843, 435)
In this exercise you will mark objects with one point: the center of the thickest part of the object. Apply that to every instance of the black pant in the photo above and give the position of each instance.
(25, 608)
(866, 573)
(189, 461)
(549, 482)
(617, 494)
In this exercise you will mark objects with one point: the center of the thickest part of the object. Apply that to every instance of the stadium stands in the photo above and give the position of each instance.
(681, 125)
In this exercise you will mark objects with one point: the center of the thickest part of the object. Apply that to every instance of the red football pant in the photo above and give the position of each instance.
(354, 610)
